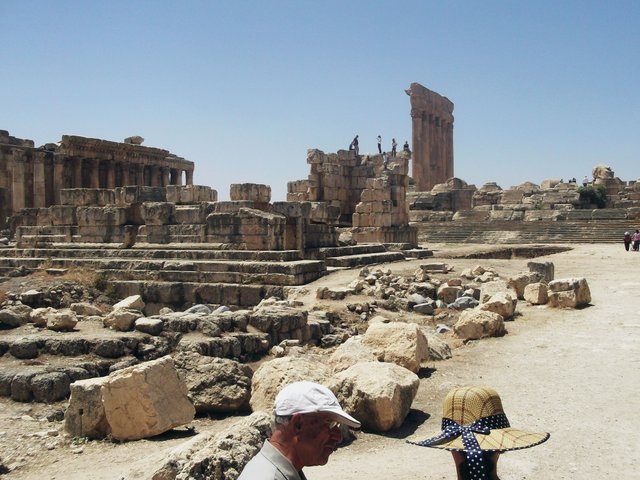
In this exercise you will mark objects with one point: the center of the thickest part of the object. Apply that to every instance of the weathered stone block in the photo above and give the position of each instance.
(158, 213)
(145, 400)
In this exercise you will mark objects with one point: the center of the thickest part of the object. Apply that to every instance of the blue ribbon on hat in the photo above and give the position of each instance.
(475, 458)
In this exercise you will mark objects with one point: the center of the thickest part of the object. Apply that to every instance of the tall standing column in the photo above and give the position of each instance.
(77, 173)
(189, 177)
(125, 174)
(431, 162)
(95, 173)
(58, 177)
(179, 177)
(17, 182)
(39, 184)
(417, 135)
(111, 174)
(166, 176)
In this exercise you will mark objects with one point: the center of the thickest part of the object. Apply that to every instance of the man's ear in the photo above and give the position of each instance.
(297, 421)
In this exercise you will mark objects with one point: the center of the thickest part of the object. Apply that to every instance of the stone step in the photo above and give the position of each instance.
(361, 249)
(349, 261)
(603, 231)
(282, 279)
(69, 250)
(181, 295)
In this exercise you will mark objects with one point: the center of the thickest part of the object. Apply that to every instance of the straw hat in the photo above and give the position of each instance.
(476, 412)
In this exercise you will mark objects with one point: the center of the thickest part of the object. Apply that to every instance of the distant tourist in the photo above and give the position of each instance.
(385, 160)
(379, 138)
(406, 147)
(354, 145)
(394, 145)
(476, 431)
(585, 181)
(636, 241)
(627, 240)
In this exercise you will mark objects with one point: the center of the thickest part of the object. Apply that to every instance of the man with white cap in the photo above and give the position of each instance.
(307, 417)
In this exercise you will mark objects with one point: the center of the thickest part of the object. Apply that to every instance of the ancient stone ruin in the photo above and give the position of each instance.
(432, 137)
(368, 194)
(554, 211)
(33, 177)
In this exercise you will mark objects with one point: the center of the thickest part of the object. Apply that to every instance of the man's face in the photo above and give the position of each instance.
(317, 438)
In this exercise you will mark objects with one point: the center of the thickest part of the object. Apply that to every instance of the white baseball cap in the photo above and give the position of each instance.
(309, 397)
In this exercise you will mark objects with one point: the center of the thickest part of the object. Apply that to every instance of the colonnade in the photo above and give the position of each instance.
(432, 137)
(33, 177)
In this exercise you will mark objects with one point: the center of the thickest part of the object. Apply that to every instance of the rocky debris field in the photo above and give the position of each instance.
(374, 335)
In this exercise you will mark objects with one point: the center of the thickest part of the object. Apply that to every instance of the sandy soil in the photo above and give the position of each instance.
(569, 372)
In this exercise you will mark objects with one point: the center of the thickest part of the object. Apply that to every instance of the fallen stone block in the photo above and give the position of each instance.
(536, 293)
(378, 394)
(136, 402)
(475, 324)
(569, 293)
(397, 342)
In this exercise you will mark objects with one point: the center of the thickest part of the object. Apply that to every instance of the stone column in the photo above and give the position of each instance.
(418, 132)
(179, 177)
(126, 180)
(432, 157)
(139, 174)
(449, 149)
(58, 177)
(39, 185)
(95, 173)
(78, 181)
(18, 182)
(111, 174)
(189, 177)
(154, 174)
(166, 178)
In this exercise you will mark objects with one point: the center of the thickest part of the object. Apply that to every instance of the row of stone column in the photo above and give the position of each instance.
(432, 150)
(82, 173)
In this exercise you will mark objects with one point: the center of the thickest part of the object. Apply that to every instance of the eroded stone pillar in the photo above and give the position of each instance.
(95, 173)
(111, 175)
(189, 177)
(58, 177)
(432, 149)
(126, 179)
(39, 183)
(166, 177)
(17, 182)
(77, 173)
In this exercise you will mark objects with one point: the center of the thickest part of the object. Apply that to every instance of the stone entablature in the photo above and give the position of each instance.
(33, 177)
(432, 137)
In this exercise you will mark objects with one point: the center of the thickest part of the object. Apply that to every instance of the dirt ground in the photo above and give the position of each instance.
(572, 373)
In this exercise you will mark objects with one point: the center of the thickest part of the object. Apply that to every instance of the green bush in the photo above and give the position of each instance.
(595, 195)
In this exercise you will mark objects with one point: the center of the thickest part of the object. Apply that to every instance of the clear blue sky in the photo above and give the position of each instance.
(542, 89)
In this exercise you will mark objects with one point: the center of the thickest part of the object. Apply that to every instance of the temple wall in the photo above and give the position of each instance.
(33, 177)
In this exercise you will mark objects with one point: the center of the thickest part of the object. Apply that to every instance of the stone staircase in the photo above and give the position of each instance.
(515, 232)
(186, 274)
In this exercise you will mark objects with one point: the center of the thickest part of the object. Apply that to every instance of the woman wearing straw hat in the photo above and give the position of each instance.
(476, 431)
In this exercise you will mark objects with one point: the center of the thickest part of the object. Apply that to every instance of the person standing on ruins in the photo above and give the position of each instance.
(354, 145)
(476, 431)
(585, 181)
(627, 240)
(406, 147)
(394, 145)
(307, 418)
(379, 139)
